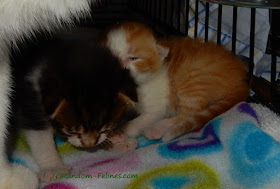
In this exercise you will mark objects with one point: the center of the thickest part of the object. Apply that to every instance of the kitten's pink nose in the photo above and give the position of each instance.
(89, 139)
(88, 144)
(85, 141)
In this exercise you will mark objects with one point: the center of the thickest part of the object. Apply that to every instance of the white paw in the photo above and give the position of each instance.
(126, 146)
(132, 132)
(169, 136)
(51, 174)
(153, 133)
(18, 177)
(118, 138)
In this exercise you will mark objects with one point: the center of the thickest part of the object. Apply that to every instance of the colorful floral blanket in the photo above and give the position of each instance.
(231, 151)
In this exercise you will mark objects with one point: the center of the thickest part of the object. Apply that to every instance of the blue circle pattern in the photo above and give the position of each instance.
(255, 156)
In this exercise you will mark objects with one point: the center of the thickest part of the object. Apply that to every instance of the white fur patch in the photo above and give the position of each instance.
(116, 42)
(43, 148)
(17, 176)
(5, 91)
(19, 19)
(102, 138)
(153, 102)
(154, 94)
(74, 140)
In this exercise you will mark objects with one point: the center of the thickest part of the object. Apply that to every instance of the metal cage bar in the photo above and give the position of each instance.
(206, 21)
(252, 41)
(196, 18)
(273, 73)
(187, 5)
(219, 27)
(274, 51)
(234, 28)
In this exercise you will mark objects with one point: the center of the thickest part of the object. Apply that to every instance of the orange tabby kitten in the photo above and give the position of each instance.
(182, 82)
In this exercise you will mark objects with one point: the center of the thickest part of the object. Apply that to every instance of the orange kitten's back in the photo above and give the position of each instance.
(208, 66)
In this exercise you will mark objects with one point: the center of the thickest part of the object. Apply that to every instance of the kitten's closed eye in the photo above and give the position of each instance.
(133, 58)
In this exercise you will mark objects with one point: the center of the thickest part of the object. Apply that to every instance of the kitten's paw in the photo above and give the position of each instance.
(158, 130)
(118, 138)
(126, 146)
(166, 138)
(176, 132)
(169, 136)
(132, 132)
(153, 133)
(52, 174)
(18, 177)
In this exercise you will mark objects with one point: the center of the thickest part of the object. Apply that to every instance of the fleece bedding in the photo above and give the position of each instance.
(238, 149)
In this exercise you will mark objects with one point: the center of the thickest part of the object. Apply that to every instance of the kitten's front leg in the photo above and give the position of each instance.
(135, 127)
(122, 143)
(12, 176)
(158, 130)
(44, 151)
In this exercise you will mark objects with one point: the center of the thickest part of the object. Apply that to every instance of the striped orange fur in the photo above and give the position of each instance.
(182, 83)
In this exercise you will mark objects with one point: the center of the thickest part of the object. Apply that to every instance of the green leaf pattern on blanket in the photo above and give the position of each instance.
(192, 174)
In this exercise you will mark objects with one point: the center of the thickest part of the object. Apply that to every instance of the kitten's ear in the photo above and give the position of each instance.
(58, 109)
(128, 101)
(162, 51)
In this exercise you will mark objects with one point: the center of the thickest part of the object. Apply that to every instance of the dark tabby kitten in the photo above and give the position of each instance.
(77, 83)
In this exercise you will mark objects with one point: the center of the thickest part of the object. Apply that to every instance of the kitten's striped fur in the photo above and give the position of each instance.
(183, 83)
